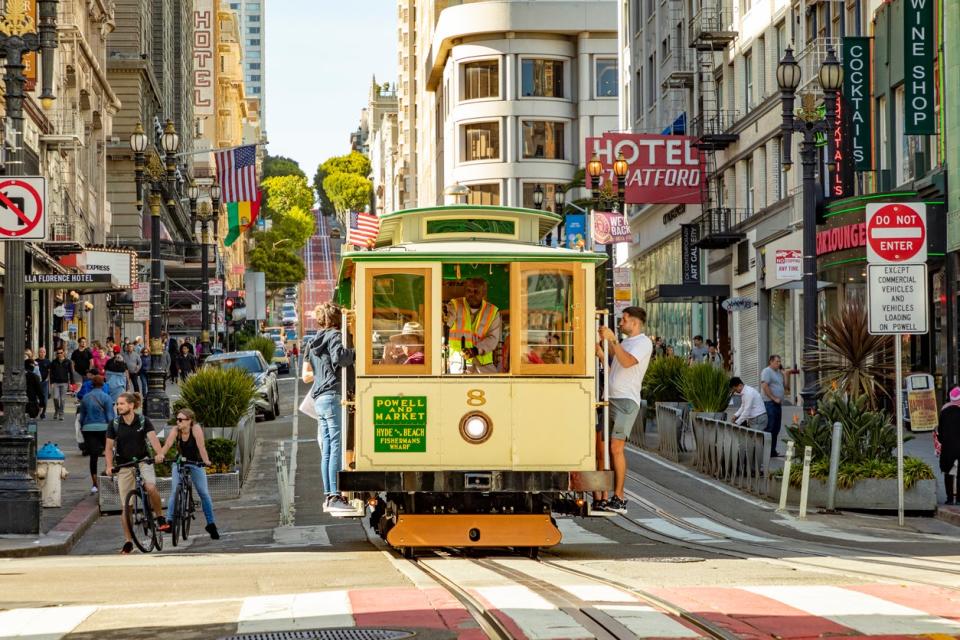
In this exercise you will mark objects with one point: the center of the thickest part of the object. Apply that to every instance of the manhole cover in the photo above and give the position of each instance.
(347, 633)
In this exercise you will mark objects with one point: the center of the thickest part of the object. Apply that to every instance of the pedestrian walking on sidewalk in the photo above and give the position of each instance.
(146, 361)
(713, 355)
(948, 438)
(773, 391)
(324, 359)
(134, 363)
(43, 365)
(188, 439)
(698, 353)
(631, 357)
(117, 375)
(95, 413)
(82, 358)
(34, 388)
(751, 412)
(62, 373)
(171, 351)
(186, 361)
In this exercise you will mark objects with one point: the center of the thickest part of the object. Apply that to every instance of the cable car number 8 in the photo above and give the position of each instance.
(476, 398)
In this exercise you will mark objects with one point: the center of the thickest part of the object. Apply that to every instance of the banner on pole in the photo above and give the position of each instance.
(609, 227)
(856, 94)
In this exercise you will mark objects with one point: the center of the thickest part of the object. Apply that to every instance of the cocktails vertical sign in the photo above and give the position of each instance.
(919, 43)
(856, 95)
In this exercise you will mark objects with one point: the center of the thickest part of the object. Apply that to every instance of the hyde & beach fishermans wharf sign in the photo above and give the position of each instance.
(399, 424)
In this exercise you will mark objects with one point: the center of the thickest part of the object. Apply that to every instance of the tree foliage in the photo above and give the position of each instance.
(348, 191)
(293, 229)
(281, 267)
(323, 200)
(354, 162)
(274, 166)
(283, 193)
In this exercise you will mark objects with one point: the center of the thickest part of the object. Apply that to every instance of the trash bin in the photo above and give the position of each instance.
(50, 472)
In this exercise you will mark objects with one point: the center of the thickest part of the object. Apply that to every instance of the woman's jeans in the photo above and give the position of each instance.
(199, 477)
(328, 434)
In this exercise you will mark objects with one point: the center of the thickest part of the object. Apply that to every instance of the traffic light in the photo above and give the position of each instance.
(228, 313)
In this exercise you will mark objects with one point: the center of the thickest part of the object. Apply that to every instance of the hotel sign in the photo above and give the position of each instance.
(919, 42)
(204, 58)
(661, 169)
(856, 94)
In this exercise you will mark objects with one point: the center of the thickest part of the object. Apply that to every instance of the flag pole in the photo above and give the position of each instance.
(197, 152)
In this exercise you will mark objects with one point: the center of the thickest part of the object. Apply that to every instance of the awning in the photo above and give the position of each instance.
(687, 293)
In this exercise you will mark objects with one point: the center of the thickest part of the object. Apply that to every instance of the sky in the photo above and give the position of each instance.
(320, 56)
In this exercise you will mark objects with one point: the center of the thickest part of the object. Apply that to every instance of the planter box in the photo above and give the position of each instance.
(872, 494)
(223, 486)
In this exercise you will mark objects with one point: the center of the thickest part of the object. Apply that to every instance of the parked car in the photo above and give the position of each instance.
(267, 400)
(290, 319)
(281, 359)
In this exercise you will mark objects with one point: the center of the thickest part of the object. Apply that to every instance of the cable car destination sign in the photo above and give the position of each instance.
(399, 424)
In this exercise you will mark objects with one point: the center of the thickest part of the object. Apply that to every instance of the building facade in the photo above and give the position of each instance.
(251, 15)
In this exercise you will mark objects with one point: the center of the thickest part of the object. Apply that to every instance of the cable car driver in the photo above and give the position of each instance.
(475, 328)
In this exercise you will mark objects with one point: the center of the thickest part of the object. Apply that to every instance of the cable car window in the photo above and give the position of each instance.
(550, 339)
(398, 321)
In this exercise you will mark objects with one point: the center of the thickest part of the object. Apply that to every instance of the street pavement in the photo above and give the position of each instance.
(690, 557)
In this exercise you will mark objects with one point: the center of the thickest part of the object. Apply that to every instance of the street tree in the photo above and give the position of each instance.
(354, 162)
(274, 166)
(281, 266)
(323, 200)
(348, 191)
(283, 193)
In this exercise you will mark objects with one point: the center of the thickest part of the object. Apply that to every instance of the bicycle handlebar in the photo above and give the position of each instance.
(133, 463)
(194, 463)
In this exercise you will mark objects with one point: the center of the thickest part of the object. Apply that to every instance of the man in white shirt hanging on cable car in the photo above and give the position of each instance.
(475, 329)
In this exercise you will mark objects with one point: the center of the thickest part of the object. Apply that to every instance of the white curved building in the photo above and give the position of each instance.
(500, 95)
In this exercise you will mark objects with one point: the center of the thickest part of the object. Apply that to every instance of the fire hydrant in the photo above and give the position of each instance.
(50, 471)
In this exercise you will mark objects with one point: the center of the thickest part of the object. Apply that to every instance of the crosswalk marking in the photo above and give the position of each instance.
(47, 623)
(575, 585)
(537, 618)
(729, 532)
(647, 622)
(865, 613)
(573, 533)
(672, 530)
(295, 611)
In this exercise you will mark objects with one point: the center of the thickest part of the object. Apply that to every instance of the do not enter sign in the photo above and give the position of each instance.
(896, 233)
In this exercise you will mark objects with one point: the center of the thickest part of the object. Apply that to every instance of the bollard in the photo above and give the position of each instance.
(785, 484)
(805, 482)
(835, 443)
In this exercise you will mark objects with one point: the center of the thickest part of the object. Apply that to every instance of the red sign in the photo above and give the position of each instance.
(849, 236)
(661, 169)
(896, 233)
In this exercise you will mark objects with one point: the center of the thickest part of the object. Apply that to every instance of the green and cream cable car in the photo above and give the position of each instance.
(475, 393)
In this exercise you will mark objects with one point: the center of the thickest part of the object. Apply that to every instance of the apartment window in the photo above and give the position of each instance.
(543, 140)
(253, 18)
(665, 48)
(782, 39)
(781, 186)
(541, 78)
(253, 66)
(235, 6)
(651, 79)
(718, 83)
(484, 194)
(750, 191)
(254, 89)
(638, 98)
(481, 80)
(253, 6)
(607, 85)
(884, 139)
(253, 30)
(651, 7)
(635, 14)
(255, 42)
(548, 198)
(761, 50)
(481, 141)
(254, 78)
(748, 80)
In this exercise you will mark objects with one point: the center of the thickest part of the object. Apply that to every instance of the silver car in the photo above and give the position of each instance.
(267, 398)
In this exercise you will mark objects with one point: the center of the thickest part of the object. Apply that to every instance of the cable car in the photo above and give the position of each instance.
(475, 392)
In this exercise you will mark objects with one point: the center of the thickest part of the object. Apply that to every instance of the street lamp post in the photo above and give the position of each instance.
(161, 178)
(808, 123)
(215, 193)
(595, 169)
(558, 202)
(204, 282)
(19, 495)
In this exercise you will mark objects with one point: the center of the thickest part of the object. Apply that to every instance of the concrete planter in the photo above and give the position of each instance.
(223, 486)
(871, 494)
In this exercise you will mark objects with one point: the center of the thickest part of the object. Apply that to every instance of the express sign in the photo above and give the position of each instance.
(896, 233)
(661, 169)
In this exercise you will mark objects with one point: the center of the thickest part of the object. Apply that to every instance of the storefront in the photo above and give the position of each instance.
(842, 261)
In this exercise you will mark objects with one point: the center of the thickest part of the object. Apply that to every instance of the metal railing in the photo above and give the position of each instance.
(810, 58)
(670, 427)
(735, 454)
(713, 122)
(283, 486)
(712, 25)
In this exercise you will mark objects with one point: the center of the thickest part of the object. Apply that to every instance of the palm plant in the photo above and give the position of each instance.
(851, 360)
(218, 397)
(706, 388)
(664, 380)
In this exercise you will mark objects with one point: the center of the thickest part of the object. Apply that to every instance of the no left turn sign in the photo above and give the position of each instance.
(22, 210)
(896, 233)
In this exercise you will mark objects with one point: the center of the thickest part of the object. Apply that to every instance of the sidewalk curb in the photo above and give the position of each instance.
(59, 540)
(948, 514)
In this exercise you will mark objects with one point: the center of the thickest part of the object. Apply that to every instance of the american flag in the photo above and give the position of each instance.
(363, 229)
(237, 173)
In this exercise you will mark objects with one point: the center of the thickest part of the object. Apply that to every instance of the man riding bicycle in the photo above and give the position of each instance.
(191, 447)
(129, 433)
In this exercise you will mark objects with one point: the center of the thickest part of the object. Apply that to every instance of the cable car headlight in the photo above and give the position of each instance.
(476, 427)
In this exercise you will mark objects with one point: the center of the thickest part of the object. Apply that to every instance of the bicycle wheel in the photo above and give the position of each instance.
(139, 521)
(175, 520)
(189, 512)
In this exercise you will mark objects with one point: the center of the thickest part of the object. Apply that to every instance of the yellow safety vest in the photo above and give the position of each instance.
(467, 332)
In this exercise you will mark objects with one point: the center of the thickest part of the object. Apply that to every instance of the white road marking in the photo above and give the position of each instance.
(573, 533)
(815, 528)
(729, 532)
(537, 618)
(672, 530)
(295, 611)
(572, 584)
(867, 614)
(46, 623)
(647, 622)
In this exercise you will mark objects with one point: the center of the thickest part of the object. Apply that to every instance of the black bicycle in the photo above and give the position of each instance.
(184, 506)
(138, 512)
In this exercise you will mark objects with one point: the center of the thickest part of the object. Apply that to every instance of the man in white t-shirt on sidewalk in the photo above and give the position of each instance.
(630, 360)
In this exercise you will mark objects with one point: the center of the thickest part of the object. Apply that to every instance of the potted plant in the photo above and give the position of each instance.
(662, 388)
(707, 389)
(867, 473)
(265, 346)
(220, 398)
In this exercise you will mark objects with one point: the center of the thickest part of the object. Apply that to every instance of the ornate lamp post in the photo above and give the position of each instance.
(808, 123)
(161, 179)
(19, 495)
(205, 214)
(193, 192)
(215, 193)
(538, 197)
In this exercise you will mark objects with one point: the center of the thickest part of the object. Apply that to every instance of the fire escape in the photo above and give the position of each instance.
(712, 30)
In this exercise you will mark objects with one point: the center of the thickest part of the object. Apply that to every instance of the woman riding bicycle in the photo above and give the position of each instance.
(188, 438)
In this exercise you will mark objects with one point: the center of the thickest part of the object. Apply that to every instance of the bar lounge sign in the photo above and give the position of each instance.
(856, 93)
(919, 43)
